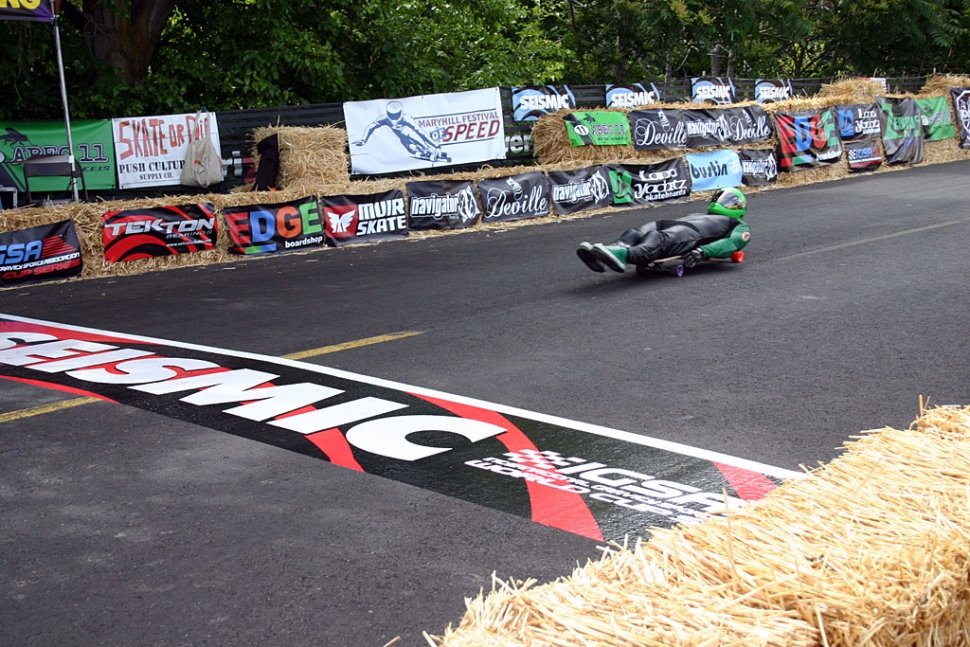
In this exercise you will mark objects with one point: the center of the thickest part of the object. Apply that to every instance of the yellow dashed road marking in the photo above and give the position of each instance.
(45, 408)
(352, 344)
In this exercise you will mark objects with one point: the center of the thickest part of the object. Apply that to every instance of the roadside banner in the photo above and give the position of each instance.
(597, 128)
(863, 155)
(151, 151)
(759, 166)
(636, 185)
(430, 131)
(515, 197)
(961, 107)
(350, 219)
(770, 90)
(93, 151)
(631, 95)
(808, 139)
(151, 232)
(271, 228)
(658, 129)
(442, 204)
(902, 138)
(712, 88)
(859, 121)
(530, 102)
(41, 253)
(580, 190)
(726, 126)
(937, 119)
(28, 10)
(714, 169)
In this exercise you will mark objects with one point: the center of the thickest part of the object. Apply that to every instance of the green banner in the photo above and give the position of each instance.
(600, 128)
(937, 119)
(93, 149)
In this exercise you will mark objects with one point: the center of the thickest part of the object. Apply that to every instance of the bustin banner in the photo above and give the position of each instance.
(714, 170)
(151, 232)
(150, 151)
(40, 253)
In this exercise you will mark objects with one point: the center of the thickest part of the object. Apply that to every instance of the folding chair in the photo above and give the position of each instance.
(52, 166)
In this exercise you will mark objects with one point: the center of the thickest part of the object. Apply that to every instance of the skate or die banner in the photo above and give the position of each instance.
(597, 128)
(442, 204)
(41, 253)
(759, 166)
(902, 137)
(93, 152)
(658, 129)
(29, 10)
(961, 108)
(151, 232)
(597, 482)
(529, 102)
(714, 169)
(151, 151)
(712, 88)
(580, 190)
(808, 139)
(635, 185)
(515, 197)
(770, 90)
(429, 131)
(937, 119)
(726, 126)
(859, 121)
(863, 155)
(270, 228)
(350, 219)
(631, 95)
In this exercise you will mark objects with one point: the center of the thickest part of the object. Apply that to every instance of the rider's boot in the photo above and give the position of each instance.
(585, 254)
(613, 256)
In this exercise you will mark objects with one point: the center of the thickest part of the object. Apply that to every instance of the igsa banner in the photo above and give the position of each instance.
(770, 90)
(350, 219)
(388, 136)
(597, 128)
(596, 482)
(808, 139)
(442, 204)
(759, 167)
(150, 151)
(903, 137)
(530, 102)
(515, 197)
(712, 88)
(961, 106)
(39, 253)
(580, 190)
(714, 170)
(93, 151)
(639, 185)
(268, 228)
(631, 95)
(151, 232)
(863, 155)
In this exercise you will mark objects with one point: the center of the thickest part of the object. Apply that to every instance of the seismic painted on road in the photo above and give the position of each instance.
(597, 482)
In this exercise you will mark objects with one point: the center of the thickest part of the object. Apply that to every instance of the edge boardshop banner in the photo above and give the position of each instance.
(41, 253)
(442, 204)
(152, 232)
(269, 228)
(808, 139)
(525, 195)
(350, 219)
(640, 185)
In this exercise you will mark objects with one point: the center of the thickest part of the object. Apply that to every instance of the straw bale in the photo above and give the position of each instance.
(853, 90)
(941, 84)
(310, 157)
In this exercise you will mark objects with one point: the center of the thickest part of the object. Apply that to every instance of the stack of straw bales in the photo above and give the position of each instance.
(872, 549)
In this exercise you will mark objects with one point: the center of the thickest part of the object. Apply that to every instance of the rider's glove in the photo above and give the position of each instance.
(693, 257)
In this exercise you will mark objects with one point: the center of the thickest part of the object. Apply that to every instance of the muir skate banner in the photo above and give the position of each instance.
(961, 107)
(430, 131)
(631, 95)
(442, 204)
(93, 152)
(770, 90)
(902, 137)
(271, 228)
(712, 88)
(151, 232)
(640, 185)
(714, 170)
(350, 219)
(759, 166)
(859, 121)
(529, 102)
(515, 197)
(863, 155)
(658, 129)
(597, 128)
(580, 190)
(41, 253)
(937, 119)
(726, 126)
(151, 151)
(808, 139)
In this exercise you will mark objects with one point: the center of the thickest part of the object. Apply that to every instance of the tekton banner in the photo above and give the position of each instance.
(937, 119)
(631, 95)
(442, 204)
(863, 155)
(41, 253)
(961, 107)
(388, 136)
(859, 121)
(712, 88)
(93, 151)
(270, 228)
(902, 137)
(636, 185)
(152, 232)
(516, 197)
(352, 219)
(808, 139)
(714, 170)
(770, 90)
(580, 190)
(529, 102)
(597, 128)
(151, 151)
(759, 166)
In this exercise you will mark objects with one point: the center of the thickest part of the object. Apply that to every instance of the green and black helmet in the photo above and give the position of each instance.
(728, 202)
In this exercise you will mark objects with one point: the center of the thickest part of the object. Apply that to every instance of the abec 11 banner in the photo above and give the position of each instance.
(937, 119)
(712, 88)
(859, 121)
(658, 129)
(808, 139)
(442, 204)
(151, 151)
(714, 170)
(352, 219)
(580, 190)
(529, 102)
(770, 90)
(151, 232)
(636, 185)
(93, 151)
(726, 126)
(515, 197)
(631, 95)
(863, 155)
(597, 128)
(902, 137)
(269, 228)
(40, 253)
(961, 107)
(388, 136)
(759, 166)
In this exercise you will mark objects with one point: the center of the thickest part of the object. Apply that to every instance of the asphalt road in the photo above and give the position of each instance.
(122, 527)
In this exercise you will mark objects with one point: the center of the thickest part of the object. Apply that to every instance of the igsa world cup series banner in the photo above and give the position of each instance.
(41, 253)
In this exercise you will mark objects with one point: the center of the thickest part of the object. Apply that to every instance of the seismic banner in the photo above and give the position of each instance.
(352, 219)
(808, 139)
(631, 95)
(269, 228)
(151, 151)
(580, 190)
(430, 131)
(533, 101)
(759, 166)
(442, 204)
(937, 119)
(136, 234)
(639, 185)
(92, 148)
(39, 253)
(714, 170)
(712, 88)
(863, 155)
(597, 128)
(770, 90)
(903, 137)
(515, 197)
(961, 107)
(859, 121)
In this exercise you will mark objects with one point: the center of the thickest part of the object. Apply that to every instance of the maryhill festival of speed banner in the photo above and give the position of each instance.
(150, 151)
(92, 148)
(269, 228)
(514, 197)
(391, 135)
(150, 232)
(808, 139)
(350, 219)
(39, 253)
(597, 482)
